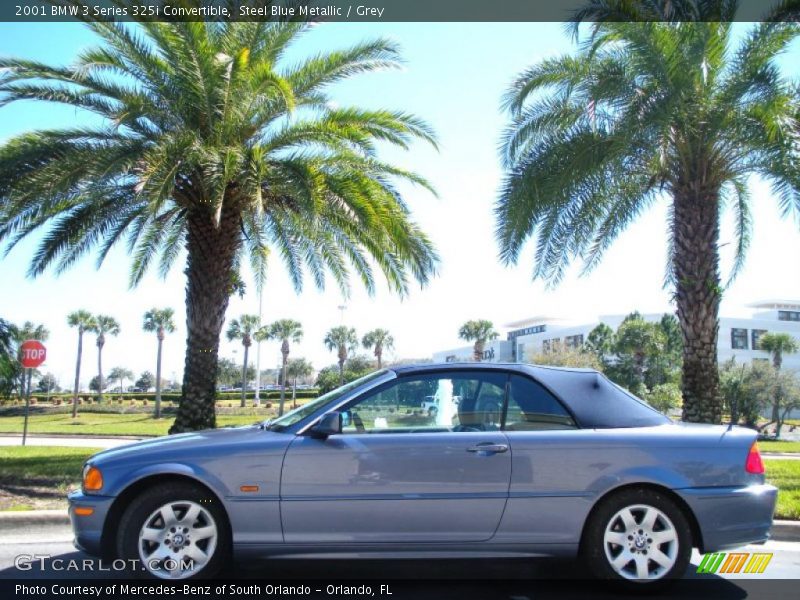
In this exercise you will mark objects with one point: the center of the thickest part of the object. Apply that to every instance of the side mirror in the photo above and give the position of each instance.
(329, 424)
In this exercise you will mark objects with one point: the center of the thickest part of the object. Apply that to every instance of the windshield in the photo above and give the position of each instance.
(301, 412)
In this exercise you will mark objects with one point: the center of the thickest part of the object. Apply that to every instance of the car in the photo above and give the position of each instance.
(532, 461)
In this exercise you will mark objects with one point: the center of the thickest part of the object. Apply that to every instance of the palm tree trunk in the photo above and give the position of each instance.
(379, 355)
(100, 373)
(158, 379)
(697, 295)
(477, 351)
(283, 382)
(294, 393)
(77, 375)
(244, 378)
(209, 267)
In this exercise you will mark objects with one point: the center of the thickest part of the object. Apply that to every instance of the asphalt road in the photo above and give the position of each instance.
(63, 440)
(514, 579)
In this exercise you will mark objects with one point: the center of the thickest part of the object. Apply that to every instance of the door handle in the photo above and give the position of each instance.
(488, 448)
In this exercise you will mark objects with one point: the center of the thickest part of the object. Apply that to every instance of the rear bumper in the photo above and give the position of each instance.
(732, 517)
(88, 530)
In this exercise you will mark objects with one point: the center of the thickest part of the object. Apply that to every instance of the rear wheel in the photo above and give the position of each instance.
(174, 531)
(638, 537)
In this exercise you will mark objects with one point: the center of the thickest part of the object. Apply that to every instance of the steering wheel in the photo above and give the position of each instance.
(462, 428)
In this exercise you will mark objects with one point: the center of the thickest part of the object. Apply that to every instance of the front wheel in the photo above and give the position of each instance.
(174, 531)
(638, 537)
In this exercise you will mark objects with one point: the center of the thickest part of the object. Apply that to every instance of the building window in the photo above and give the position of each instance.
(738, 339)
(755, 337)
(574, 341)
(788, 315)
(545, 346)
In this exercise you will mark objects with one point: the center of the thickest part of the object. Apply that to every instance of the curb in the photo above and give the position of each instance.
(782, 531)
(11, 520)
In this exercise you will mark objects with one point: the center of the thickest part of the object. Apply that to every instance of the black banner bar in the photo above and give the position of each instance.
(344, 10)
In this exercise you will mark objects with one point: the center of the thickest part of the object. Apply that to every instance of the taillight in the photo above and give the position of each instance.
(754, 464)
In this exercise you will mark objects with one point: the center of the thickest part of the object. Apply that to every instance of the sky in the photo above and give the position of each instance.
(453, 77)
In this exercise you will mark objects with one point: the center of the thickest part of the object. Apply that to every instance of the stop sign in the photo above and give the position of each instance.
(33, 353)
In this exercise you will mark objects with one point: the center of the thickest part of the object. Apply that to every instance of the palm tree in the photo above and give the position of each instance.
(285, 330)
(101, 326)
(480, 332)
(380, 340)
(120, 374)
(30, 331)
(296, 368)
(243, 329)
(343, 340)
(778, 344)
(649, 110)
(84, 321)
(160, 321)
(214, 138)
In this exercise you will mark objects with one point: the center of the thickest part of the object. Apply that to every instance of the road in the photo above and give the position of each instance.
(514, 579)
(65, 440)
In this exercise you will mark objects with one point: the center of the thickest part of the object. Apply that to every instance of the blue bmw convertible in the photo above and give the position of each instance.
(451, 460)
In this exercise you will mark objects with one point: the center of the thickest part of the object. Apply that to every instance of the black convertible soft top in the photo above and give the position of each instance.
(595, 402)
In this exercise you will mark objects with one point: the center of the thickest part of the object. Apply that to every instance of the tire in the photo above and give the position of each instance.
(174, 521)
(645, 527)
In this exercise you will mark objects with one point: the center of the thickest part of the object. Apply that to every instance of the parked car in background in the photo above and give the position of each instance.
(532, 461)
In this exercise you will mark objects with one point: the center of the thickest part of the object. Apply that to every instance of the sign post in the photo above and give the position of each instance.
(33, 353)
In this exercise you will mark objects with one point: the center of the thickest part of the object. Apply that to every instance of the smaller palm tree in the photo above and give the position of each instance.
(243, 329)
(480, 332)
(285, 330)
(30, 331)
(295, 369)
(160, 321)
(101, 326)
(343, 340)
(120, 374)
(380, 340)
(778, 344)
(84, 321)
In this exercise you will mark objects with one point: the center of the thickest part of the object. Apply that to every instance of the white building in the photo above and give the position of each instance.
(738, 337)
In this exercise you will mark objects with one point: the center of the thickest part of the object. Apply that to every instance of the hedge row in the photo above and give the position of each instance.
(175, 396)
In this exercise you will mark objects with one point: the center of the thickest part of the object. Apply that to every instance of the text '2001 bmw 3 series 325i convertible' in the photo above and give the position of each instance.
(468, 460)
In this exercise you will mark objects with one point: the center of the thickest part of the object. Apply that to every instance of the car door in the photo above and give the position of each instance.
(553, 461)
(399, 472)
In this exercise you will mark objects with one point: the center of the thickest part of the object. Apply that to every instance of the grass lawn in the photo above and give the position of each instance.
(107, 423)
(39, 477)
(778, 446)
(785, 474)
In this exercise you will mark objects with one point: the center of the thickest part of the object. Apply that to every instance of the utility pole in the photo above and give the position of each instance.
(342, 308)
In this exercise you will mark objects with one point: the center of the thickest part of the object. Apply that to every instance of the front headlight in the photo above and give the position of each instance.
(92, 478)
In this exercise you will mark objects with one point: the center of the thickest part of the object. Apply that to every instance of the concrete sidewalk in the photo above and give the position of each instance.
(67, 440)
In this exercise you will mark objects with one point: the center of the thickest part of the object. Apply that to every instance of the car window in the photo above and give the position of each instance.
(452, 401)
(301, 412)
(532, 408)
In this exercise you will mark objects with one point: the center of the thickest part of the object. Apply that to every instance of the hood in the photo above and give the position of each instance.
(183, 443)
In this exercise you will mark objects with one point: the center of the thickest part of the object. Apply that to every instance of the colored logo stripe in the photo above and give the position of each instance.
(733, 562)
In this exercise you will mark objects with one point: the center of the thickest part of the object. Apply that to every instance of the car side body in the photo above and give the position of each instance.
(478, 491)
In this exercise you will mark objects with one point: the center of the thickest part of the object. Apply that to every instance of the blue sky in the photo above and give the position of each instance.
(453, 77)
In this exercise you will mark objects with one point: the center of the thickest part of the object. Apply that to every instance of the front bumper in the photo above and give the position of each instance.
(88, 530)
(732, 517)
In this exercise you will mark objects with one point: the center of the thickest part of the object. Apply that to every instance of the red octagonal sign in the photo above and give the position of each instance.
(33, 353)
